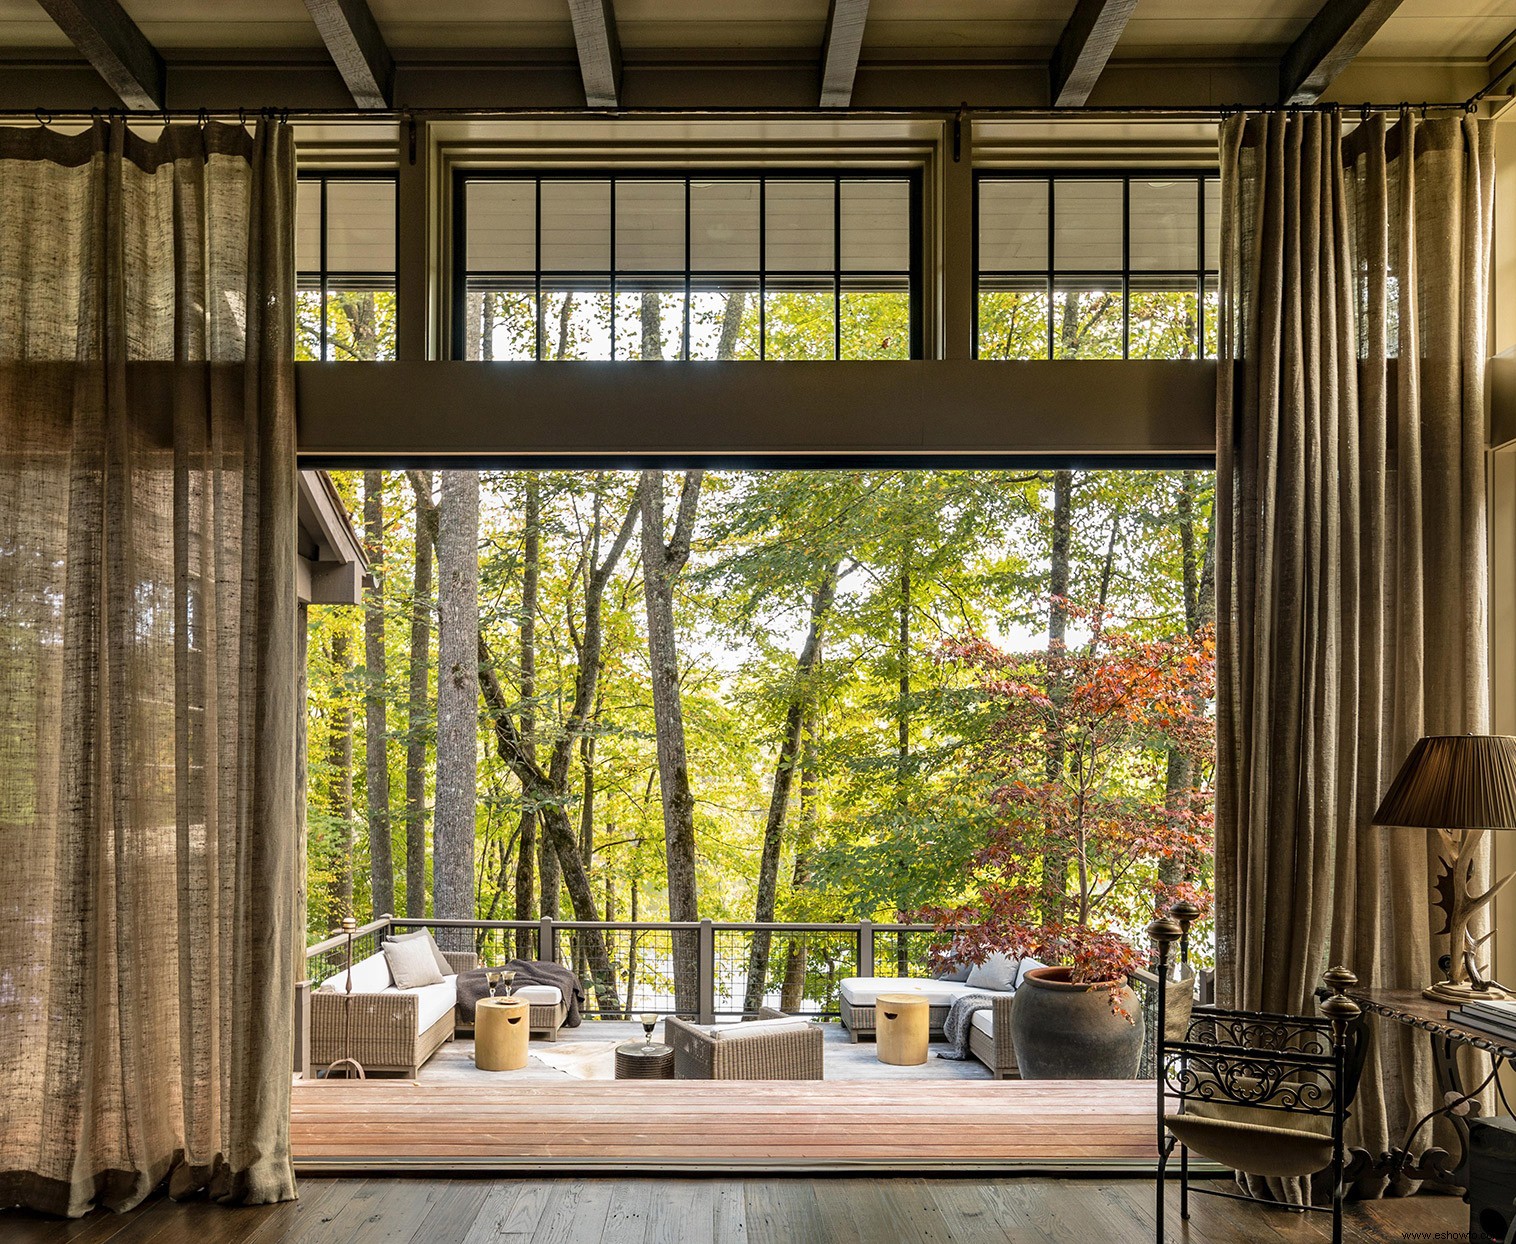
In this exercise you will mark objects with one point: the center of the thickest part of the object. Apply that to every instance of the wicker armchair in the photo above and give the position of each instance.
(794, 1055)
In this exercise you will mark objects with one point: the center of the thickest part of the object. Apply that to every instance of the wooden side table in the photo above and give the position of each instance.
(902, 1020)
(501, 1029)
(639, 1060)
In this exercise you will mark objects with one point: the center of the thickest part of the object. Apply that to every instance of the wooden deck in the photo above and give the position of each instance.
(778, 1210)
(690, 1126)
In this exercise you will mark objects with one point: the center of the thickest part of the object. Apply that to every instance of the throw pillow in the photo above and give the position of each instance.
(997, 973)
(1027, 965)
(443, 965)
(958, 972)
(411, 963)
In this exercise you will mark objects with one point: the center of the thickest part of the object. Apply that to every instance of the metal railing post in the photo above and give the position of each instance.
(707, 972)
(865, 948)
(547, 943)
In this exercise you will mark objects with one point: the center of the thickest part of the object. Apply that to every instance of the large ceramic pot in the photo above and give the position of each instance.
(1064, 1031)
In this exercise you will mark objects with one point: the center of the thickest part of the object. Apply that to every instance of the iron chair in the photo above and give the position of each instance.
(1266, 1095)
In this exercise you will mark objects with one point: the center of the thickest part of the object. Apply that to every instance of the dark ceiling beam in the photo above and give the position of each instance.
(1335, 35)
(362, 57)
(108, 38)
(1084, 47)
(845, 20)
(599, 51)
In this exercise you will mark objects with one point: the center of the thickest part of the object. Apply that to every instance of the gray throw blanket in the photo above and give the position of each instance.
(959, 1020)
(474, 984)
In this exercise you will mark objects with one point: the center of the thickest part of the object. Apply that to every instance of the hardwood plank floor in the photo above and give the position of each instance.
(778, 1210)
(627, 1126)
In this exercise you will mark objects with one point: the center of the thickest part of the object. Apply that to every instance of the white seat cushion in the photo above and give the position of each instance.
(434, 1001)
(758, 1028)
(539, 995)
(984, 1020)
(371, 975)
(864, 990)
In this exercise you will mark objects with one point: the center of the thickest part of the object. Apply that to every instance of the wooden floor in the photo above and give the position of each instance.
(779, 1210)
(1001, 1126)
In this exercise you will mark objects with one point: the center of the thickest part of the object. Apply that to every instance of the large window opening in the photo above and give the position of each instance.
(905, 699)
(345, 267)
(649, 265)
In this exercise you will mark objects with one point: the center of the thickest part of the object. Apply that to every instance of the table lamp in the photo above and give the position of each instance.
(1459, 785)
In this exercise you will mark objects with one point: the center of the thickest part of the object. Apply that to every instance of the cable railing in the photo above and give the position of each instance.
(628, 967)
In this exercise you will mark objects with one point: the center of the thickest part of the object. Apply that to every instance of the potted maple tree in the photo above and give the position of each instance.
(1100, 755)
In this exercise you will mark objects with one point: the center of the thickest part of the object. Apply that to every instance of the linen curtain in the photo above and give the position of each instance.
(1352, 588)
(147, 664)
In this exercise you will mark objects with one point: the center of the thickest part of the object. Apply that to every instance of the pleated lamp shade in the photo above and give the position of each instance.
(1454, 781)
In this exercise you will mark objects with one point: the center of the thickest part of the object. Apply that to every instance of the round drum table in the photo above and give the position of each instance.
(639, 1060)
(501, 1029)
(900, 1020)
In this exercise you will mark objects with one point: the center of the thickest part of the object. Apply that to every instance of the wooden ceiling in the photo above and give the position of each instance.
(861, 53)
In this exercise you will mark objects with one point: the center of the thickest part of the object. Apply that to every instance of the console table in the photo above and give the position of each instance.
(1457, 1103)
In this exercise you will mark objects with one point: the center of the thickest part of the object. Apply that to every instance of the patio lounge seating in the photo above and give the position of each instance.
(383, 1027)
(549, 1007)
(773, 1047)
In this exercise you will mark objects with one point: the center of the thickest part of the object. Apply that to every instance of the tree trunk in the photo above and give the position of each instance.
(341, 760)
(784, 769)
(661, 565)
(418, 705)
(1055, 862)
(375, 702)
(538, 787)
(792, 992)
(533, 843)
(453, 830)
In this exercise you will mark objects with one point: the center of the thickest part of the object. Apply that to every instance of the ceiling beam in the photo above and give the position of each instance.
(108, 38)
(1335, 35)
(845, 20)
(599, 51)
(1084, 47)
(362, 57)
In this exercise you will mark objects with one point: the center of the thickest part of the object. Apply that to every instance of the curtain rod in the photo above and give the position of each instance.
(399, 115)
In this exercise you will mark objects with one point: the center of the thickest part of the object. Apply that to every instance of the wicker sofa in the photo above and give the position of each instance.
(746, 1051)
(384, 1028)
(989, 1029)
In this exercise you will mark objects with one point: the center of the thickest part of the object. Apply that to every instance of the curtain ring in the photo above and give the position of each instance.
(44, 117)
(242, 117)
(204, 118)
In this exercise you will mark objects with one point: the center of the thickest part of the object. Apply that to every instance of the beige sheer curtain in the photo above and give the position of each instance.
(1352, 585)
(147, 664)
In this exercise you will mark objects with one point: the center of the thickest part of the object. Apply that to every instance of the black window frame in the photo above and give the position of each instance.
(1051, 274)
(325, 277)
(461, 273)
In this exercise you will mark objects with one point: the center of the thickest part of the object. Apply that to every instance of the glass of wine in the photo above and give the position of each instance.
(649, 1020)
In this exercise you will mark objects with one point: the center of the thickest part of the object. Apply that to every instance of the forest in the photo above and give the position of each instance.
(734, 695)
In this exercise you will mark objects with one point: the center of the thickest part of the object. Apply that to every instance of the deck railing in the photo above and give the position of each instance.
(805, 963)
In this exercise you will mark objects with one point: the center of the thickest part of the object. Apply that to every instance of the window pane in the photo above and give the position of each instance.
(1165, 225)
(576, 322)
(876, 226)
(650, 324)
(724, 226)
(876, 324)
(1212, 311)
(501, 325)
(798, 230)
(1086, 321)
(360, 227)
(308, 228)
(799, 323)
(1164, 322)
(576, 226)
(1013, 225)
(501, 219)
(1212, 224)
(724, 322)
(1087, 225)
(308, 325)
(360, 325)
(1013, 323)
(650, 226)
